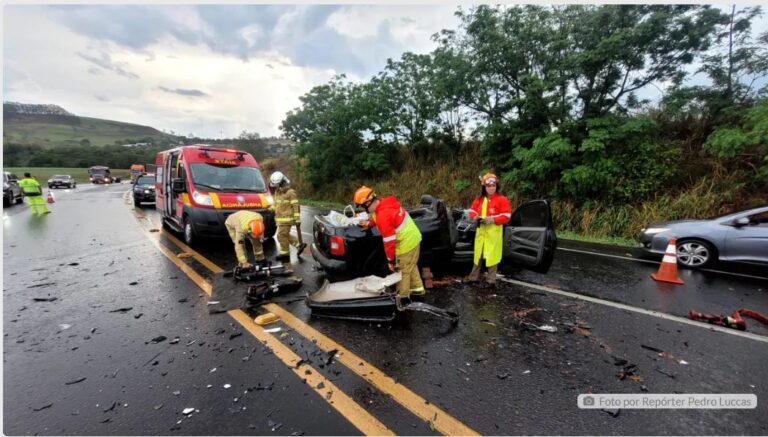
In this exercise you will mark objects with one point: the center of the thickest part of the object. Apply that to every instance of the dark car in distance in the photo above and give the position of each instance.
(62, 180)
(12, 192)
(349, 251)
(144, 189)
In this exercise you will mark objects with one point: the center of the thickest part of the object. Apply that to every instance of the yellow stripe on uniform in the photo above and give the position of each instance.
(215, 199)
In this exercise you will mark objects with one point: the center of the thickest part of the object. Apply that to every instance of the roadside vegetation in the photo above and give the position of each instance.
(597, 108)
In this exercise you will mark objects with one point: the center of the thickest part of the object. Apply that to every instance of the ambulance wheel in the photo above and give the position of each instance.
(190, 237)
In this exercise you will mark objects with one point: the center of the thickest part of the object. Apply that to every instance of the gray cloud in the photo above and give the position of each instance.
(101, 98)
(183, 92)
(105, 62)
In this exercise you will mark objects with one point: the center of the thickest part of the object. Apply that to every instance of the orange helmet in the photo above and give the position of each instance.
(364, 195)
(489, 178)
(257, 228)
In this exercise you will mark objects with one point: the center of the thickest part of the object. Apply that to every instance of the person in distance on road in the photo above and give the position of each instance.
(493, 211)
(402, 239)
(287, 214)
(34, 195)
(250, 225)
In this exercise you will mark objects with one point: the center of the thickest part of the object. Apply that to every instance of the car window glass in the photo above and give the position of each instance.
(759, 219)
(145, 180)
(530, 215)
(13, 177)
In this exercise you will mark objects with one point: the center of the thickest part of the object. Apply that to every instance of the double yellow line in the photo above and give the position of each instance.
(352, 411)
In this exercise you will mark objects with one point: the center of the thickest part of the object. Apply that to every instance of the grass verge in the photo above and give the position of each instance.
(614, 241)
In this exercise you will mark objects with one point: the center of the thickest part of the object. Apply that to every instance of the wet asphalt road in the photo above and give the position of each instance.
(117, 295)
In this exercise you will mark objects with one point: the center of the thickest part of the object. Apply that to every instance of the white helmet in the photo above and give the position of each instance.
(278, 178)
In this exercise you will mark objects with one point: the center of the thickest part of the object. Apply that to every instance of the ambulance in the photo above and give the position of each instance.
(197, 187)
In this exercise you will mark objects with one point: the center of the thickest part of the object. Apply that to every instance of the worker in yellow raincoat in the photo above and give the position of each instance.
(34, 195)
(493, 211)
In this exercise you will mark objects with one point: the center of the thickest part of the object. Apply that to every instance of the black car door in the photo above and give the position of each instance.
(529, 237)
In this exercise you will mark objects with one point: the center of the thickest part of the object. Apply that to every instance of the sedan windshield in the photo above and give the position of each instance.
(217, 178)
(146, 180)
(60, 176)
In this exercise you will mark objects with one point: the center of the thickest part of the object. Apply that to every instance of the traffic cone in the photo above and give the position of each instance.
(668, 269)
(50, 198)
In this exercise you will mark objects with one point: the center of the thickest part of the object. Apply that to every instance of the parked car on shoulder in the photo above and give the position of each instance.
(347, 251)
(12, 192)
(62, 180)
(144, 189)
(740, 236)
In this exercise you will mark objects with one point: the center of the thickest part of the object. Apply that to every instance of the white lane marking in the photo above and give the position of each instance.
(655, 262)
(652, 313)
(307, 233)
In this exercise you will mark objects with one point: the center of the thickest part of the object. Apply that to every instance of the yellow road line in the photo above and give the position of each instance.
(442, 421)
(357, 415)
(348, 408)
(196, 255)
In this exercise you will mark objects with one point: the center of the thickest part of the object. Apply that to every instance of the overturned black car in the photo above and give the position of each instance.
(347, 251)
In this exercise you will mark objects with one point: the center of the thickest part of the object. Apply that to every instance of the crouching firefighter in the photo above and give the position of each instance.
(287, 214)
(250, 225)
(401, 237)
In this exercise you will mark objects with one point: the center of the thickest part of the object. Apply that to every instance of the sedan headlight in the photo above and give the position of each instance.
(202, 199)
(146, 191)
(654, 230)
(50, 180)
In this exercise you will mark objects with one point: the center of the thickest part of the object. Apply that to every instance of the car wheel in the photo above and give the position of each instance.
(136, 203)
(8, 200)
(190, 237)
(695, 253)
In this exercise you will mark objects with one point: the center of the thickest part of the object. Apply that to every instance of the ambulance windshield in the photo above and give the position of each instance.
(227, 179)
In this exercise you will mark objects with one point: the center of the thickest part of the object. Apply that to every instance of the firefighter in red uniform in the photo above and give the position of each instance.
(402, 239)
(493, 211)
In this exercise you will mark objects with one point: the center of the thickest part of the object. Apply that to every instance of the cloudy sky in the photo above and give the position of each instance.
(207, 70)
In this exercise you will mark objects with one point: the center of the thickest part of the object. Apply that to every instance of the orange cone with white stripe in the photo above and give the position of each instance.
(668, 269)
(50, 198)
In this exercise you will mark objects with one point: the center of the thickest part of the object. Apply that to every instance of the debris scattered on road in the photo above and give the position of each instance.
(235, 335)
(213, 302)
(43, 407)
(330, 356)
(174, 341)
(183, 299)
(44, 299)
(158, 339)
(177, 392)
(265, 319)
(504, 375)
(138, 315)
(651, 348)
(613, 412)
(190, 343)
(111, 407)
(154, 230)
(65, 326)
(73, 264)
(274, 426)
(227, 385)
(664, 373)
(526, 372)
(619, 361)
(134, 283)
(547, 328)
(158, 406)
(75, 381)
(122, 310)
(273, 330)
(683, 362)
(212, 370)
(187, 411)
(45, 284)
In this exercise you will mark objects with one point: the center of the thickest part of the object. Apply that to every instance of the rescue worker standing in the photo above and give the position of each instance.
(250, 225)
(494, 211)
(402, 239)
(287, 214)
(34, 195)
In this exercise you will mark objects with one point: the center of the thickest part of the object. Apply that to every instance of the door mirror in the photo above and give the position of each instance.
(178, 186)
(739, 222)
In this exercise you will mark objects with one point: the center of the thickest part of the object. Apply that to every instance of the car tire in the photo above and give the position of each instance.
(136, 203)
(695, 254)
(50, 187)
(190, 237)
(8, 200)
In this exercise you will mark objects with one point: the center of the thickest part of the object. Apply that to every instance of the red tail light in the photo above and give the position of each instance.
(337, 246)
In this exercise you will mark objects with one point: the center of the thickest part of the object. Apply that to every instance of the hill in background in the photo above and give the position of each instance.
(53, 126)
